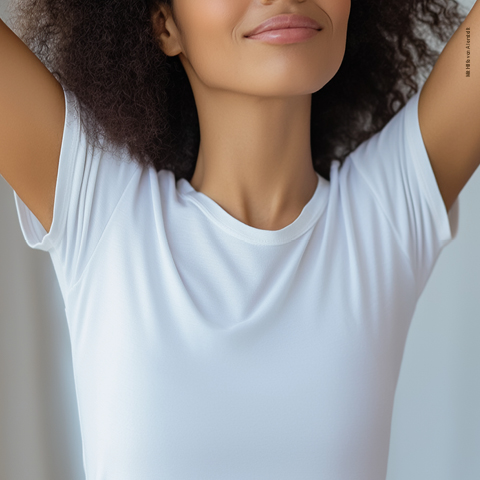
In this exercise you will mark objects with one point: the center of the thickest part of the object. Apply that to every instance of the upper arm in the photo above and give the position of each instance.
(32, 106)
(449, 110)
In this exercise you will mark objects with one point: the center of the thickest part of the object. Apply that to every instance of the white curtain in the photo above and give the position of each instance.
(436, 423)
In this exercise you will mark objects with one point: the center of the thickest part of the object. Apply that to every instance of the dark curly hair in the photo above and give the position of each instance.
(107, 53)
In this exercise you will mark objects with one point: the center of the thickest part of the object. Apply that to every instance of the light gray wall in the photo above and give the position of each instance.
(436, 423)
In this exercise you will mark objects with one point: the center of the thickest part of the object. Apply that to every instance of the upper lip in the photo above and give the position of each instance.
(285, 21)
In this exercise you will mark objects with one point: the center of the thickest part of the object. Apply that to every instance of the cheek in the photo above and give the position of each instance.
(209, 29)
(210, 18)
(339, 12)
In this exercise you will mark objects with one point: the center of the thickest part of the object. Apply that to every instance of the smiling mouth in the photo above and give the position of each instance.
(282, 29)
(285, 21)
(285, 35)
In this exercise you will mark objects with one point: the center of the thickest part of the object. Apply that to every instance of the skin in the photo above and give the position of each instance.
(254, 100)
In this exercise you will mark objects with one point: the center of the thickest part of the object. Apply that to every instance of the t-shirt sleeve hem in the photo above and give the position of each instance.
(446, 222)
(33, 231)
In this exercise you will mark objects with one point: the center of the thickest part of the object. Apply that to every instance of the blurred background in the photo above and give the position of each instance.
(436, 421)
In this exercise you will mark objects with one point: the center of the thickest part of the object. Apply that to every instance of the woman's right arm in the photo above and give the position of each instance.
(32, 116)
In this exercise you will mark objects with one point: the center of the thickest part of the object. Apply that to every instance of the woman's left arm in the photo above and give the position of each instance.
(449, 109)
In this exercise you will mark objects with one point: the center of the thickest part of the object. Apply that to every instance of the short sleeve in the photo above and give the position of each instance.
(395, 167)
(90, 183)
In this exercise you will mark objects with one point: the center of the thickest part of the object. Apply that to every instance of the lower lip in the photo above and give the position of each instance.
(285, 35)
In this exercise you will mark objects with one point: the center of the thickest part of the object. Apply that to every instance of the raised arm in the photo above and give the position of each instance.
(449, 109)
(32, 115)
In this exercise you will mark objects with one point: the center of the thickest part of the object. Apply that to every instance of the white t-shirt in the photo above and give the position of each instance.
(207, 349)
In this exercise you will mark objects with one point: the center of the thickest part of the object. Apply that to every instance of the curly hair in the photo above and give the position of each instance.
(108, 54)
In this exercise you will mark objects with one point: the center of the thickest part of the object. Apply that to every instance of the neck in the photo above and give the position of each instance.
(255, 157)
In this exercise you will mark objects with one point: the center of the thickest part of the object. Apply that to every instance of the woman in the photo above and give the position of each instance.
(243, 204)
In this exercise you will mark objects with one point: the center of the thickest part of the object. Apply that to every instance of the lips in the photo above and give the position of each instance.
(285, 21)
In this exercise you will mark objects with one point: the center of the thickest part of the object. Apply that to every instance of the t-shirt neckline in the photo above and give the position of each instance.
(307, 218)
